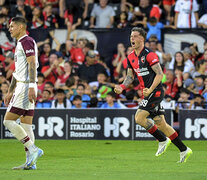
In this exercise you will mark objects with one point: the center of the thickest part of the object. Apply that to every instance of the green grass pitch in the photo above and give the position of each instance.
(103, 160)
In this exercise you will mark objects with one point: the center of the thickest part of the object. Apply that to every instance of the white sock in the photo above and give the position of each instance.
(20, 134)
(28, 129)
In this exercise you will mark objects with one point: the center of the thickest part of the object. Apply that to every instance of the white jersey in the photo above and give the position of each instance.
(26, 46)
(186, 10)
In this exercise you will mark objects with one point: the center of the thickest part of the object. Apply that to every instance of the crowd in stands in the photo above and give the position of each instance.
(73, 75)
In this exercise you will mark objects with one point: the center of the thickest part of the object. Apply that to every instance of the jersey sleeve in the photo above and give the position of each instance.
(129, 64)
(152, 58)
(177, 7)
(29, 47)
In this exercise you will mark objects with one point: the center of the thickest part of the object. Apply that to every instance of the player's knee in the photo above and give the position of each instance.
(5, 122)
(8, 123)
(158, 121)
(138, 120)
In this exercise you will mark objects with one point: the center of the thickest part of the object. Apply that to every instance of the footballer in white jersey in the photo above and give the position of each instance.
(22, 93)
(20, 103)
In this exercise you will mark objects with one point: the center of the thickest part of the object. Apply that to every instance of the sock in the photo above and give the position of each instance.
(157, 134)
(20, 134)
(177, 142)
(28, 129)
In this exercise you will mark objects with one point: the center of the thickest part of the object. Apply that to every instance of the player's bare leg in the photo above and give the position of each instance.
(141, 119)
(185, 152)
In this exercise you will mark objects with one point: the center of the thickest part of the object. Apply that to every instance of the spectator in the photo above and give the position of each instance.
(202, 22)
(4, 89)
(204, 92)
(119, 57)
(183, 101)
(121, 68)
(45, 101)
(84, 97)
(37, 19)
(189, 84)
(90, 69)
(184, 19)
(72, 18)
(5, 10)
(53, 70)
(171, 83)
(3, 21)
(197, 102)
(201, 67)
(50, 87)
(103, 91)
(50, 20)
(195, 54)
(189, 66)
(10, 65)
(199, 83)
(77, 102)
(168, 5)
(110, 104)
(178, 61)
(141, 12)
(21, 10)
(154, 28)
(71, 85)
(60, 101)
(168, 102)
(40, 84)
(93, 103)
(79, 50)
(44, 56)
(156, 11)
(163, 57)
(103, 15)
(60, 83)
(123, 20)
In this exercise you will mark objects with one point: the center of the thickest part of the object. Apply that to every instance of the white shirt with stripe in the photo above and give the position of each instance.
(186, 10)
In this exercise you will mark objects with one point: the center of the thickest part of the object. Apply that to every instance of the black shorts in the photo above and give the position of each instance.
(152, 102)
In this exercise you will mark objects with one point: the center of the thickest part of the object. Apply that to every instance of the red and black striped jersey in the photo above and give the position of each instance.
(142, 66)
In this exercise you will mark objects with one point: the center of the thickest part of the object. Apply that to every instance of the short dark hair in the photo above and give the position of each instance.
(47, 91)
(19, 20)
(59, 91)
(112, 94)
(141, 31)
(77, 97)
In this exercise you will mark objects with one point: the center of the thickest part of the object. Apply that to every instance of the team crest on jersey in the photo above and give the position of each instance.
(142, 59)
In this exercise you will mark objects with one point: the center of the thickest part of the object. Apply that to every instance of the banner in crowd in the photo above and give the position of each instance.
(177, 40)
(193, 124)
(85, 124)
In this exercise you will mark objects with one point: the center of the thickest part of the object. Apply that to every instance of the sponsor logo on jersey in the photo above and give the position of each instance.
(30, 51)
(154, 60)
(142, 59)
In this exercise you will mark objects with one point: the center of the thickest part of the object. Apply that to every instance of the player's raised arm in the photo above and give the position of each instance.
(128, 80)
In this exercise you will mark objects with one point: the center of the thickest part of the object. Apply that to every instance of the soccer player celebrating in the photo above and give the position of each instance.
(145, 64)
(22, 93)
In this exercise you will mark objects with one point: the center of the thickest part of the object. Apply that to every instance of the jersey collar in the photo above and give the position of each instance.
(22, 37)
